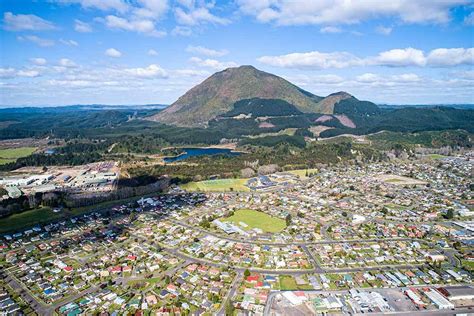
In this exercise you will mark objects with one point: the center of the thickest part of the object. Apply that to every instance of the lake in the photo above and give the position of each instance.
(195, 152)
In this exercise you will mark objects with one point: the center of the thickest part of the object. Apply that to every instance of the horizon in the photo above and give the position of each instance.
(64, 52)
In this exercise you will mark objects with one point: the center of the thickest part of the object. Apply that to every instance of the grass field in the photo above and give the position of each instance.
(219, 185)
(302, 172)
(12, 154)
(256, 219)
(28, 219)
(436, 156)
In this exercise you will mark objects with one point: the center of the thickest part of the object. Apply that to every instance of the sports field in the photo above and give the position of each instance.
(219, 185)
(12, 154)
(256, 219)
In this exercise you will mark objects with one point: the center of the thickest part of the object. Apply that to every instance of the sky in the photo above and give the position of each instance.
(62, 52)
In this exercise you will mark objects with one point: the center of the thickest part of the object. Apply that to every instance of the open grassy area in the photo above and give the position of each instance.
(302, 172)
(219, 185)
(436, 156)
(256, 219)
(28, 219)
(12, 154)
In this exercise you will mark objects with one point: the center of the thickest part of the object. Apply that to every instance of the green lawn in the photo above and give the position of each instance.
(436, 156)
(12, 154)
(219, 185)
(256, 219)
(287, 282)
(28, 219)
(302, 172)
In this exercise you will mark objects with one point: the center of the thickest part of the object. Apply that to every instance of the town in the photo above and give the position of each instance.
(384, 237)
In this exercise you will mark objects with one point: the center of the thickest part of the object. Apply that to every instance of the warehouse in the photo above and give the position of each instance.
(438, 299)
(458, 293)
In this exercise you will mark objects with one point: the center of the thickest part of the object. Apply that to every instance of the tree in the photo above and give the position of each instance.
(344, 214)
(288, 219)
(229, 308)
(449, 214)
(246, 273)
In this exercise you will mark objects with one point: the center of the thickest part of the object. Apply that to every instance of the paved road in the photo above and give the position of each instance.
(230, 294)
(18, 287)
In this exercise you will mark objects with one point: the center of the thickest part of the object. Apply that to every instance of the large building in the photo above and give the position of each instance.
(458, 293)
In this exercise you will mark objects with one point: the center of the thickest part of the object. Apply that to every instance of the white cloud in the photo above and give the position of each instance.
(206, 51)
(182, 31)
(469, 20)
(143, 26)
(8, 73)
(152, 52)
(384, 30)
(406, 78)
(330, 29)
(153, 9)
(291, 12)
(82, 27)
(112, 52)
(104, 5)
(196, 16)
(43, 42)
(212, 63)
(69, 42)
(315, 59)
(401, 57)
(67, 63)
(368, 78)
(38, 61)
(451, 57)
(150, 72)
(26, 22)
(406, 57)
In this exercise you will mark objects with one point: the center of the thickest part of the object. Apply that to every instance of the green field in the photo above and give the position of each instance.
(219, 185)
(256, 219)
(12, 154)
(436, 156)
(302, 172)
(27, 219)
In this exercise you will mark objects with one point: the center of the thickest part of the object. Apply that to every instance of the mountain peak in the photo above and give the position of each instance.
(217, 94)
(342, 94)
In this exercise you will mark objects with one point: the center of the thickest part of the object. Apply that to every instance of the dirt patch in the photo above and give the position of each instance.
(347, 122)
(324, 118)
(265, 125)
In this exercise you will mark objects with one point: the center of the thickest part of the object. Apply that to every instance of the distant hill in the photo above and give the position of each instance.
(218, 93)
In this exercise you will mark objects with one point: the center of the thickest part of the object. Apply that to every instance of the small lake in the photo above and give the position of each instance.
(195, 152)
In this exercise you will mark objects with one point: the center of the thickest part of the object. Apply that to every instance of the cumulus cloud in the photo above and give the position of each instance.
(212, 63)
(82, 27)
(67, 63)
(330, 29)
(112, 52)
(291, 12)
(401, 57)
(9, 73)
(152, 71)
(441, 57)
(384, 30)
(43, 42)
(152, 52)
(451, 57)
(38, 61)
(182, 31)
(69, 42)
(153, 9)
(195, 16)
(104, 5)
(26, 22)
(143, 26)
(315, 59)
(206, 51)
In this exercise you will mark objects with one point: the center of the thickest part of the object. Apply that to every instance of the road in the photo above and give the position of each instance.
(230, 294)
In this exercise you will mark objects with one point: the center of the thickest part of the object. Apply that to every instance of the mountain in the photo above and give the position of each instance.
(217, 94)
(326, 105)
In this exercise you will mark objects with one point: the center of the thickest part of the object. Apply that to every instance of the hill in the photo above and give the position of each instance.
(217, 94)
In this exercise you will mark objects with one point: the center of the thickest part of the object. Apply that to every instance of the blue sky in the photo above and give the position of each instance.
(58, 52)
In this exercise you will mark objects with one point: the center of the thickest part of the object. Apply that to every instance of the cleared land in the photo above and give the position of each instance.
(12, 154)
(256, 219)
(28, 219)
(302, 172)
(219, 185)
(399, 180)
